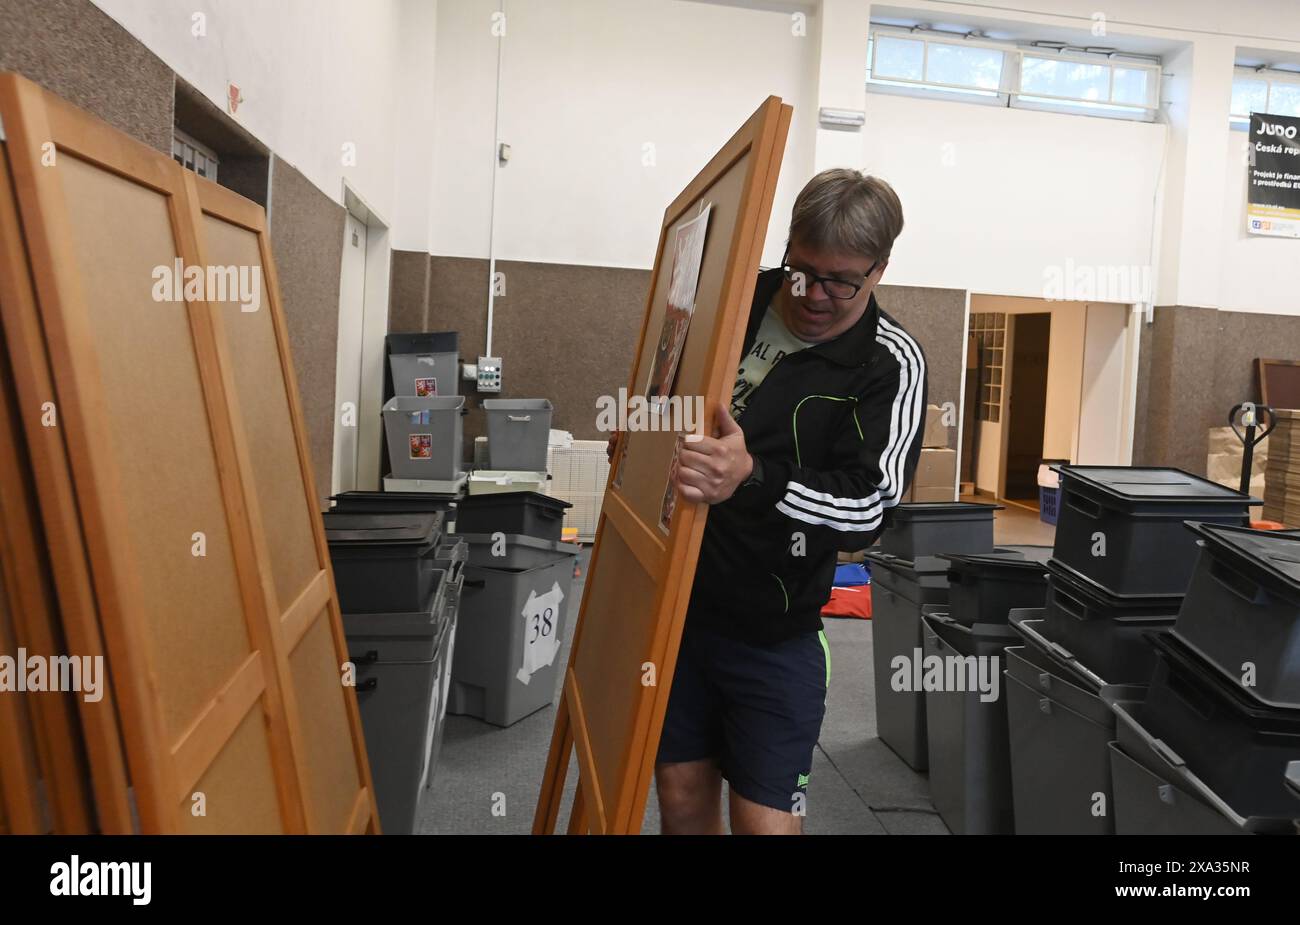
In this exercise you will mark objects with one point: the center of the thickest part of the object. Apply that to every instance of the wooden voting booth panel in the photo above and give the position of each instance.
(187, 457)
(78, 742)
(640, 576)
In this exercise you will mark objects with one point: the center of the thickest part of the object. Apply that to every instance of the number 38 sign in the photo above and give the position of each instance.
(541, 616)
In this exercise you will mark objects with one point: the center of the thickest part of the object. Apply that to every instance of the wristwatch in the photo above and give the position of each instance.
(755, 476)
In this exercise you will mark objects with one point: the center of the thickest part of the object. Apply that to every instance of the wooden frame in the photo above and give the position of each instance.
(72, 607)
(176, 737)
(607, 714)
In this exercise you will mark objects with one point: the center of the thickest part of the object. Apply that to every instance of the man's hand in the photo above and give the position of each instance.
(609, 447)
(710, 468)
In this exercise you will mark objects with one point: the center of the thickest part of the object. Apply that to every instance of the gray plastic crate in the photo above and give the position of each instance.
(970, 764)
(1059, 737)
(1139, 511)
(517, 551)
(418, 362)
(397, 657)
(509, 622)
(1157, 794)
(452, 560)
(1243, 606)
(518, 431)
(924, 581)
(928, 528)
(424, 436)
(900, 714)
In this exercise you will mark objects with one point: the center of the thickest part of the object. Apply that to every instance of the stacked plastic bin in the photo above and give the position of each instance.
(397, 582)
(424, 418)
(515, 606)
(1121, 565)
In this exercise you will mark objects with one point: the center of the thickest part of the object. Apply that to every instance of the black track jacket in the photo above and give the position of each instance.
(836, 429)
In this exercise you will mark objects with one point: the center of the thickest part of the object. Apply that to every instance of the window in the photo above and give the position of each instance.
(988, 331)
(1273, 92)
(193, 155)
(1039, 77)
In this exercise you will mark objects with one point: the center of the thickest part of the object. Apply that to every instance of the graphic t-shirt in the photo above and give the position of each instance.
(772, 342)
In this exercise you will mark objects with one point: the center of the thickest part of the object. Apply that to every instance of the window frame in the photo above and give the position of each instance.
(1270, 76)
(1010, 91)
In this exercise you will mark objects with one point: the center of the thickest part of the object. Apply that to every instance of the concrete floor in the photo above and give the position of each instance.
(488, 778)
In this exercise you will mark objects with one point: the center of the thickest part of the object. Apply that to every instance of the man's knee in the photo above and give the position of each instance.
(690, 796)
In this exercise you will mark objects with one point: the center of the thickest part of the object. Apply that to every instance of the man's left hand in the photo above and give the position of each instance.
(710, 468)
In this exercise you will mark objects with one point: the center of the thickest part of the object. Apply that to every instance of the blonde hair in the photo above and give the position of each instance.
(847, 211)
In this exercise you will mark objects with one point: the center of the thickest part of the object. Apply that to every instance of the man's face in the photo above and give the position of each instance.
(809, 311)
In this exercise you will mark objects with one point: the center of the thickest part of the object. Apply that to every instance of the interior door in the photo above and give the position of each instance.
(347, 382)
(1027, 404)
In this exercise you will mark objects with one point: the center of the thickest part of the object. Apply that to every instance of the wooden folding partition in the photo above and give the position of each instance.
(640, 578)
(178, 473)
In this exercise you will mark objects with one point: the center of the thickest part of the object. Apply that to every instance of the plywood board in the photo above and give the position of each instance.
(201, 610)
(640, 576)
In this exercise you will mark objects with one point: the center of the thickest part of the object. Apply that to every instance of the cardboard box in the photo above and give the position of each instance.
(936, 469)
(936, 433)
(934, 494)
(1223, 440)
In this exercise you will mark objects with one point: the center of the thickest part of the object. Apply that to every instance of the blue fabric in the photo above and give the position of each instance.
(851, 574)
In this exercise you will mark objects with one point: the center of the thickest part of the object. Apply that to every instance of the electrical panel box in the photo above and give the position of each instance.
(489, 374)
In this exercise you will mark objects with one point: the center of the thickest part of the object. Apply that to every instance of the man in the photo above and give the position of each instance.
(820, 442)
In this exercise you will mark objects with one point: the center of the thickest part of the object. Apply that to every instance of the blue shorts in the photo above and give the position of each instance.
(756, 710)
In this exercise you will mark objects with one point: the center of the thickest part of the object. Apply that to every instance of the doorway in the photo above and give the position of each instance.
(363, 323)
(1030, 336)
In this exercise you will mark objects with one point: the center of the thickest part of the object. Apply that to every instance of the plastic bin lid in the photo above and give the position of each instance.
(1274, 553)
(1155, 483)
(423, 342)
(1079, 583)
(513, 499)
(912, 510)
(989, 562)
(404, 529)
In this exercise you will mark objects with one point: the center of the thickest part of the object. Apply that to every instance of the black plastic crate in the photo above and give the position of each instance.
(383, 563)
(1103, 631)
(522, 513)
(985, 588)
(1139, 512)
(1243, 606)
(391, 502)
(922, 582)
(1239, 747)
(933, 527)
(1056, 660)
(1156, 793)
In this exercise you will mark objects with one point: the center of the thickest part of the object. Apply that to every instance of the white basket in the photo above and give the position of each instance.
(578, 475)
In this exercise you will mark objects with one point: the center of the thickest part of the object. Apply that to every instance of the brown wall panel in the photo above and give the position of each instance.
(936, 318)
(408, 292)
(76, 50)
(1196, 363)
(307, 240)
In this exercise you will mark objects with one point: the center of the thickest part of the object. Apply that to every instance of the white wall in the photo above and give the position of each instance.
(993, 198)
(314, 75)
(610, 108)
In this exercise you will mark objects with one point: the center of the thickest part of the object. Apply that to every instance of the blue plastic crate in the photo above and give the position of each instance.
(1048, 501)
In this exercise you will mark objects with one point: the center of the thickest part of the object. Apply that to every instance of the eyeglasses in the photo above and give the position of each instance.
(838, 289)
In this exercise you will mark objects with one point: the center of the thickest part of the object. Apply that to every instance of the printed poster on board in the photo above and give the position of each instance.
(688, 254)
(1273, 176)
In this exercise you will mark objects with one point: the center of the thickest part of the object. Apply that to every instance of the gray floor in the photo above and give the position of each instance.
(488, 778)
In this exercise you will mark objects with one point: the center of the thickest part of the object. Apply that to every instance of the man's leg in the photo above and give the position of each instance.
(774, 700)
(690, 797)
(750, 818)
